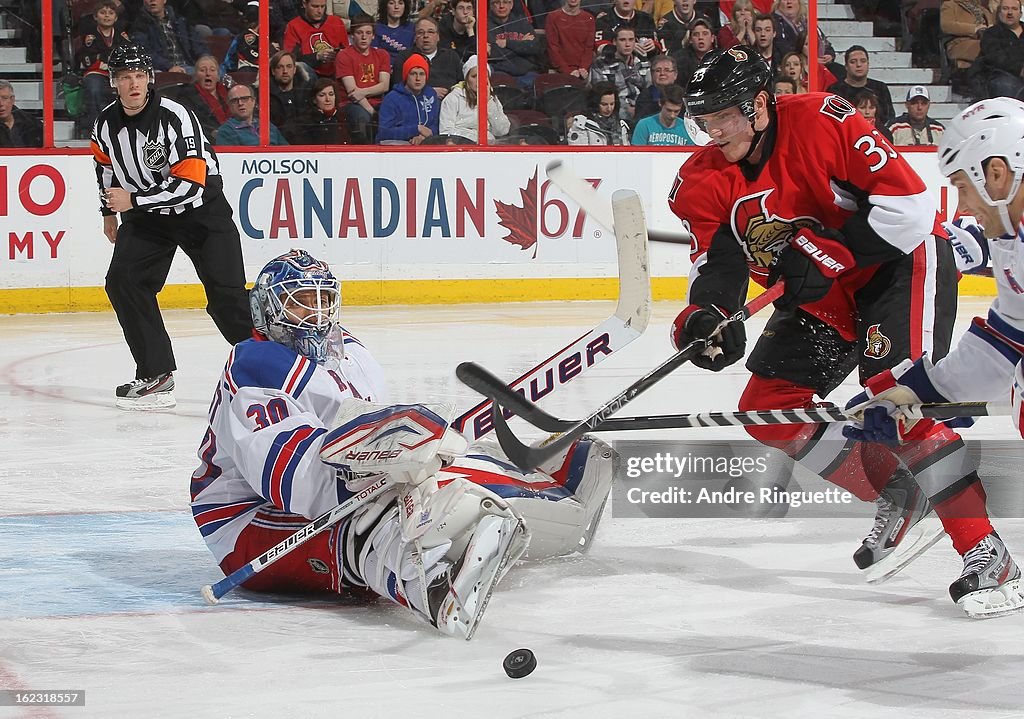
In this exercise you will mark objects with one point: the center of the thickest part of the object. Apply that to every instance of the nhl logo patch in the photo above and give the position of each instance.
(154, 155)
(318, 565)
(878, 345)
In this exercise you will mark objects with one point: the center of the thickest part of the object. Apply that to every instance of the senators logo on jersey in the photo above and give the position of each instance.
(878, 345)
(761, 233)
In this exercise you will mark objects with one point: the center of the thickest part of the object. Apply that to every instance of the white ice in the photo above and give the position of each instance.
(101, 564)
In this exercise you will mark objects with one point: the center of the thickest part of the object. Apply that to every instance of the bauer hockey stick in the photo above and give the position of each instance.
(583, 194)
(212, 593)
(527, 458)
(484, 382)
(629, 321)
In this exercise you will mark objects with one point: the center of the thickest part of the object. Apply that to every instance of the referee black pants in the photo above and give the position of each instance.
(145, 247)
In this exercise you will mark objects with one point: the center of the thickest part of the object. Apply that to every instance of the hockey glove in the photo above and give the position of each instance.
(970, 248)
(880, 420)
(698, 322)
(808, 265)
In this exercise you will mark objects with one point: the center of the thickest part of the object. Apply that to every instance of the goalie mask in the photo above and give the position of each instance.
(295, 302)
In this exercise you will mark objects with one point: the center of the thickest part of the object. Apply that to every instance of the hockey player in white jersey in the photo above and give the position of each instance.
(982, 153)
(300, 422)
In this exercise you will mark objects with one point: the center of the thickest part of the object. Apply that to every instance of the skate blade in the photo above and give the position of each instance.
(991, 603)
(150, 403)
(917, 541)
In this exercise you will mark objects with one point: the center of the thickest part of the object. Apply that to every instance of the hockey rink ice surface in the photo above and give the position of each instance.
(101, 564)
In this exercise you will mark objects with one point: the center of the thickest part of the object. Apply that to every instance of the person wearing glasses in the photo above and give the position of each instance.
(242, 128)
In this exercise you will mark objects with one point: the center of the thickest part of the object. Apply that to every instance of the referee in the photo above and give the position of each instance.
(155, 167)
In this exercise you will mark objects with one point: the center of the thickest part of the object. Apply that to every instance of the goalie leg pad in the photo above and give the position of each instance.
(447, 575)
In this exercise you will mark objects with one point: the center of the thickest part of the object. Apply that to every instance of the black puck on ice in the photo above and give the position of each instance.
(519, 663)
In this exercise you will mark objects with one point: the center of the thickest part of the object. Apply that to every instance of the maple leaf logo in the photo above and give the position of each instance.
(521, 222)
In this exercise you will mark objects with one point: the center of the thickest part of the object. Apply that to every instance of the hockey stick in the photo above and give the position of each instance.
(583, 194)
(629, 321)
(484, 382)
(212, 593)
(528, 458)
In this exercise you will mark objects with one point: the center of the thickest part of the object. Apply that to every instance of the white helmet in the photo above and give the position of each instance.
(990, 128)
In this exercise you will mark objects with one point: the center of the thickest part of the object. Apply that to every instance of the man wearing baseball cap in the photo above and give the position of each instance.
(914, 127)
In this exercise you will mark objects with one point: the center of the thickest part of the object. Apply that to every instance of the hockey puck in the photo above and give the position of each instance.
(519, 663)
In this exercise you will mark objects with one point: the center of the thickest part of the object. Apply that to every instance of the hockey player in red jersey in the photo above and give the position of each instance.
(300, 423)
(801, 189)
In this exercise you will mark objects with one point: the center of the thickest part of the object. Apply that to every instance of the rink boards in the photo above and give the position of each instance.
(402, 228)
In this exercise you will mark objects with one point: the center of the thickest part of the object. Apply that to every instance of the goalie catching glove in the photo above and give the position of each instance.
(808, 265)
(701, 322)
(407, 442)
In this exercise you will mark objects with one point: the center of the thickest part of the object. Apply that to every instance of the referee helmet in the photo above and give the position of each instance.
(130, 57)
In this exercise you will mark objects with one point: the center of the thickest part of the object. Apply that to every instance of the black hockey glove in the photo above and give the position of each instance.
(808, 265)
(698, 323)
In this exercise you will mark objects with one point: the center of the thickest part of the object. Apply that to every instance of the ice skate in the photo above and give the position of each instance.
(151, 393)
(905, 527)
(990, 585)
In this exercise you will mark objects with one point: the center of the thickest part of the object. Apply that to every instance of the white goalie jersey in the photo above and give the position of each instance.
(261, 452)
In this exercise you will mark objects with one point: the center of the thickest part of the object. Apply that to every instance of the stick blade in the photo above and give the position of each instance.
(634, 306)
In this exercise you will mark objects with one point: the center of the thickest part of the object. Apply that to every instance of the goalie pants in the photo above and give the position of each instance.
(907, 309)
(145, 247)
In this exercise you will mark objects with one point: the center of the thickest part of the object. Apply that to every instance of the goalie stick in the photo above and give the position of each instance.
(629, 321)
(484, 382)
(528, 458)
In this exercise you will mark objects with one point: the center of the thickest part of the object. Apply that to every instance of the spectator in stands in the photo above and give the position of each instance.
(606, 114)
(571, 39)
(868, 105)
(663, 74)
(625, 14)
(410, 112)
(765, 31)
(206, 96)
(857, 67)
(316, 37)
(174, 47)
(834, 71)
(445, 65)
(17, 127)
(244, 50)
(212, 17)
(790, 21)
(394, 32)
(320, 124)
(242, 128)
(459, 114)
(674, 27)
(344, 10)
(289, 93)
(87, 24)
(91, 61)
(794, 66)
(513, 45)
(624, 69)
(787, 86)
(364, 74)
(740, 30)
(964, 21)
(1002, 47)
(458, 29)
(914, 127)
(282, 12)
(702, 41)
(667, 127)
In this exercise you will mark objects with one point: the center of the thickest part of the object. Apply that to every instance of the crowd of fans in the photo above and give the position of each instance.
(574, 71)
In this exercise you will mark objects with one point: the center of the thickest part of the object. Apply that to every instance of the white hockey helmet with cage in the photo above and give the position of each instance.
(986, 129)
(295, 302)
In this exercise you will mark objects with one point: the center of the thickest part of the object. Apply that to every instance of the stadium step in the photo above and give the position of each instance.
(886, 59)
(944, 111)
(869, 43)
(847, 28)
(937, 93)
(12, 55)
(835, 12)
(903, 76)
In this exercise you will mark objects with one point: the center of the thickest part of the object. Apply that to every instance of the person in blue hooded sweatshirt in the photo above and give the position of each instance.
(410, 113)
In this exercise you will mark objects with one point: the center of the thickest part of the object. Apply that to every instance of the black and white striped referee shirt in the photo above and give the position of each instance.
(161, 156)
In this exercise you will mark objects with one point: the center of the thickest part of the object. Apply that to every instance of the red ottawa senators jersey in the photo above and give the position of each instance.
(825, 164)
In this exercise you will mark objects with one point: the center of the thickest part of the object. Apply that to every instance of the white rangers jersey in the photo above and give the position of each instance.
(981, 366)
(260, 457)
